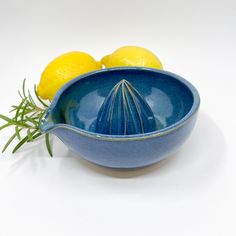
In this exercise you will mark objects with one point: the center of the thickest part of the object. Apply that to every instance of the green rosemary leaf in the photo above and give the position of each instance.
(48, 144)
(23, 141)
(33, 114)
(40, 118)
(41, 115)
(29, 135)
(23, 89)
(5, 126)
(31, 99)
(37, 135)
(23, 112)
(35, 118)
(19, 108)
(14, 108)
(7, 119)
(18, 132)
(23, 125)
(26, 111)
(9, 142)
(20, 94)
(30, 119)
(39, 99)
(20, 144)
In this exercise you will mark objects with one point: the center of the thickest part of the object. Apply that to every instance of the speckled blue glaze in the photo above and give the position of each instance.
(125, 112)
(73, 114)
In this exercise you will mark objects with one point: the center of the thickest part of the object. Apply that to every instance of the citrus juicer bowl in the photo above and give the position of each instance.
(125, 117)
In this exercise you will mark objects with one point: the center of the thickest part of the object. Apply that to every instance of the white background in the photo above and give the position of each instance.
(190, 193)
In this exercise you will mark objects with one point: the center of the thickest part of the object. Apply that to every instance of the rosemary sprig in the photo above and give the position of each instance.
(26, 120)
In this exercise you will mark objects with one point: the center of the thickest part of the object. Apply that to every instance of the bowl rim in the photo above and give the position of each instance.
(108, 137)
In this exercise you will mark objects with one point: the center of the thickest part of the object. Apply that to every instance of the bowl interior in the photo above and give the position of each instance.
(78, 105)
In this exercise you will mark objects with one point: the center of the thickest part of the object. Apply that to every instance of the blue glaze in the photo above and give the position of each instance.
(73, 114)
(125, 112)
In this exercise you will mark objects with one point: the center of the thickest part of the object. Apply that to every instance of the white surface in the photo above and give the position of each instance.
(190, 193)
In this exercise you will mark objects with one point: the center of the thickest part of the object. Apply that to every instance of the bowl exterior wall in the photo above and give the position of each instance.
(128, 153)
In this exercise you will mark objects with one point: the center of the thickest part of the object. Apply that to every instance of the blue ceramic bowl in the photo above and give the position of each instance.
(81, 110)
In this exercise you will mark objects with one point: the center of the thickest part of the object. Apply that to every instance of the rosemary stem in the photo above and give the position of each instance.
(26, 120)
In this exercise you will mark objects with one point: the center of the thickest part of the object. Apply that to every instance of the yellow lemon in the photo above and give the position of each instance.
(132, 56)
(62, 69)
